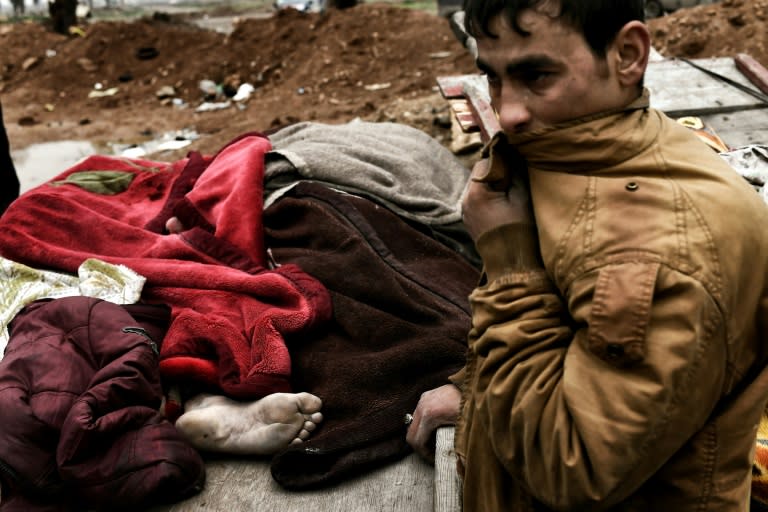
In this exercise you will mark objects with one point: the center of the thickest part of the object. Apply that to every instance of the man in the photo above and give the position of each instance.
(9, 182)
(617, 356)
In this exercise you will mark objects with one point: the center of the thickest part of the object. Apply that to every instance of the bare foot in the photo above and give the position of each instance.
(264, 427)
(174, 225)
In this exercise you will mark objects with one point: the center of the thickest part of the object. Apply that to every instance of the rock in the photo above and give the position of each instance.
(87, 64)
(29, 63)
(165, 91)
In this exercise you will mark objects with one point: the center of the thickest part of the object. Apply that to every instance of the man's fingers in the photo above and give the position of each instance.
(418, 437)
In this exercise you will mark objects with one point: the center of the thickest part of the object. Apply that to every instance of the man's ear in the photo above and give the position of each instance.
(632, 46)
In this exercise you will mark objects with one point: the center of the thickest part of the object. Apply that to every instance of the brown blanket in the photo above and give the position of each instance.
(401, 317)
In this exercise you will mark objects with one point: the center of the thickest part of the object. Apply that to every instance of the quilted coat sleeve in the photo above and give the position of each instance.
(115, 447)
(588, 395)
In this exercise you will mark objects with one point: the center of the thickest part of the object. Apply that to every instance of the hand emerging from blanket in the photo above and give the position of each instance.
(436, 408)
(219, 424)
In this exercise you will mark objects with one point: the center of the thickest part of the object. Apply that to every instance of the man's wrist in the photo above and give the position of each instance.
(509, 248)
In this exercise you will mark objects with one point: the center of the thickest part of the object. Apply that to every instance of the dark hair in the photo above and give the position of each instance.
(598, 20)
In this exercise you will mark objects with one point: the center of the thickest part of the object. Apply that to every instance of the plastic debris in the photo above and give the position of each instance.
(244, 92)
(209, 88)
(174, 144)
(377, 87)
(102, 93)
(134, 152)
(170, 141)
(210, 106)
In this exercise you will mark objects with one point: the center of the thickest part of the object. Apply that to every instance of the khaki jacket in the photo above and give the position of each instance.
(617, 358)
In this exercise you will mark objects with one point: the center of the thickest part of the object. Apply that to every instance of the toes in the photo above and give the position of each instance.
(309, 426)
(303, 434)
(309, 403)
(315, 417)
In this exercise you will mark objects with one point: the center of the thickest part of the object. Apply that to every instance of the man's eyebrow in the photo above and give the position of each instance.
(514, 67)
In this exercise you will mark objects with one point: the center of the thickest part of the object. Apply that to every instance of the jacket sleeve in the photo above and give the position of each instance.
(589, 394)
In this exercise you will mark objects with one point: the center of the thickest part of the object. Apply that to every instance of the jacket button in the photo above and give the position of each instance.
(632, 186)
(614, 351)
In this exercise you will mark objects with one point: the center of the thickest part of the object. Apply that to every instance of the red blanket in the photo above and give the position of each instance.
(231, 314)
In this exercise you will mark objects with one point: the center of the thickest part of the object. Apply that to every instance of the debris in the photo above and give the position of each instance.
(210, 89)
(440, 55)
(166, 91)
(209, 106)
(704, 132)
(76, 31)
(174, 144)
(231, 84)
(244, 92)
(50, 53)
(29, 63)
(102, 93)
(378, 87)
(133, 152)
(49, 107)
(752, 163)
(87, 64)
(170, 141)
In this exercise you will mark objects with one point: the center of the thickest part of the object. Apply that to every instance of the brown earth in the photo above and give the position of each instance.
(374, 61)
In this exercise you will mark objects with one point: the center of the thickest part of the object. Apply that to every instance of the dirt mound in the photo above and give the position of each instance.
(722, 29)
(328, 67)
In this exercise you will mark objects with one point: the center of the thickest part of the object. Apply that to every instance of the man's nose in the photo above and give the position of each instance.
(512, 111)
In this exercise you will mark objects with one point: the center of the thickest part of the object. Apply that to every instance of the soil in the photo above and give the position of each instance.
(375, 61)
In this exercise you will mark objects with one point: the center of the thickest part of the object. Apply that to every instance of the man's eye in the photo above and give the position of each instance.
(536, 77)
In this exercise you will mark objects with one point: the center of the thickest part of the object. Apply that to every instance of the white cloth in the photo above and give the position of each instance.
(22, 285)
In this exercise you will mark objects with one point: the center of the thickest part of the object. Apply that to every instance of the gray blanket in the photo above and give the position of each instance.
(392, 164)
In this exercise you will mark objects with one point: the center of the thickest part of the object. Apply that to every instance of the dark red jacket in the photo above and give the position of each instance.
(80, 393)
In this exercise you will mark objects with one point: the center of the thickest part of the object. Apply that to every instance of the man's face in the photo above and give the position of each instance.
(545, 78)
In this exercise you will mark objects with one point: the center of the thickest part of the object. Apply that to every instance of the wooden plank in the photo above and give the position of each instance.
(235, 484)
(447, 480)
(740, 128)
(681, 90)
(753, 70)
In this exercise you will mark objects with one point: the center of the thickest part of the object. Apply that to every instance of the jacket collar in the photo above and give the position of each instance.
(592, 142)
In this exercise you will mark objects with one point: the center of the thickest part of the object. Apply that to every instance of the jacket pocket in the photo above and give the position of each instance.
(621, 309)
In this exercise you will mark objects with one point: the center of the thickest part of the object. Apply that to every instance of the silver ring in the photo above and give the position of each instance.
(408, 419)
